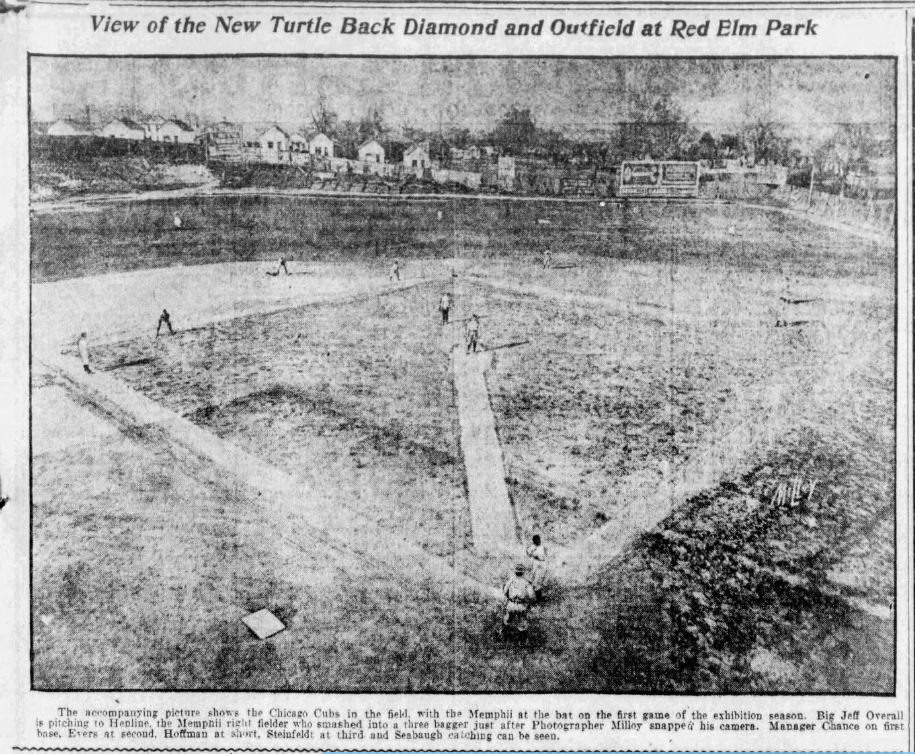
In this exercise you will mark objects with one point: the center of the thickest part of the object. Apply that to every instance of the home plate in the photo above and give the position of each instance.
(263, 623)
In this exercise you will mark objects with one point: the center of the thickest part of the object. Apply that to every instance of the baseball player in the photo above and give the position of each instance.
(537, 554)
(547, 259)
(395, 272)
(782, 316)
(473, 333)
(82, 346)
(165, 319)
(518, 594)
(177, 221)
(444, 306)
(282, 266)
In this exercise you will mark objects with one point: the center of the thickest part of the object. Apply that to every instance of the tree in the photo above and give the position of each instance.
(323, 118)
(730, 145)
(372, 125)
(347, 139)
(515, 132)
(459, 138)
(656, 129)
(764, 140)
(708, 147)
(851, 146)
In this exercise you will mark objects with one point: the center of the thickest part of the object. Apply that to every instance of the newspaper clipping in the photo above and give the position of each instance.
(455, 376)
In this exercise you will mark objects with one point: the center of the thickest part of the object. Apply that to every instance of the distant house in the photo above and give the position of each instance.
(371, 151)
(176, 131)
(506, 173)
(274, 139)
(298, 143)
(321, 145)
(416, 157)
(151, 127)
(67, 127)
(123, 128)
(274, 145)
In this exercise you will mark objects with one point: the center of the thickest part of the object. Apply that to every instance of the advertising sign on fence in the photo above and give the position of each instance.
(577, 186)
(659, 179)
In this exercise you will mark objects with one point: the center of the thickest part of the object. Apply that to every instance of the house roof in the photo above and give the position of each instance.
(370, 141)
(180, 123)
(131, 124)
(276, 127)
(80, 124)
(423, 145)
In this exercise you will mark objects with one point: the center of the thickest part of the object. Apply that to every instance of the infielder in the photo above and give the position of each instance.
(165, 319)
(82, 346)
(444, 306)
(473, 333)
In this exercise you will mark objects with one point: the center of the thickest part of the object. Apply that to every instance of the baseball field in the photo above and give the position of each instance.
(694, 404)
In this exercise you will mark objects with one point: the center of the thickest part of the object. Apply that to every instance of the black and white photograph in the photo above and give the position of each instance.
(463, 375)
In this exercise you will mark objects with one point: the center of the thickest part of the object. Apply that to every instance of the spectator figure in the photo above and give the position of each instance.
(177, 221)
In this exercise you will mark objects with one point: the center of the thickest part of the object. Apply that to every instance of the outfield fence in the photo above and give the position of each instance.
(872, 215)
(875, 215)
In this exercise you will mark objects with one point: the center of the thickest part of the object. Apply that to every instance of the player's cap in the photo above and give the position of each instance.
(519, 569)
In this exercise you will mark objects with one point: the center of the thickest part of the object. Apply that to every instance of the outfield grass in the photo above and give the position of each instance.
(140, 234)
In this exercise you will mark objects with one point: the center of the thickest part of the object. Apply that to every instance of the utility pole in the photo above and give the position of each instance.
(810, 193)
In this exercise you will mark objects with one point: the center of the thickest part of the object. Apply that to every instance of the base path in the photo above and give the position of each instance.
(491, 516)
(288, 504)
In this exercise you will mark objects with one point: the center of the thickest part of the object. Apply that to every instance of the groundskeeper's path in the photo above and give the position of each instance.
(492, 519)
